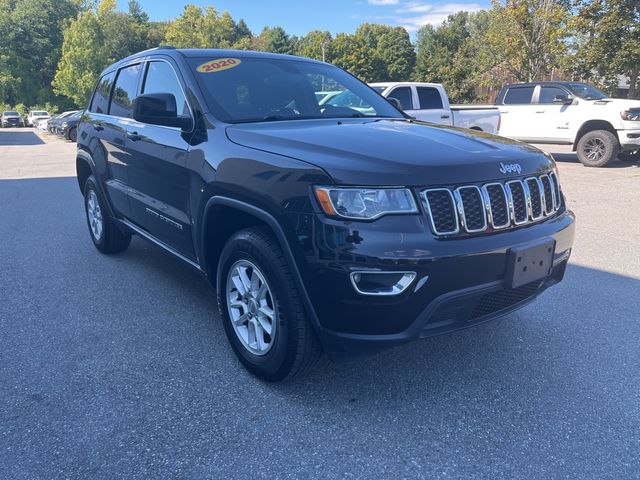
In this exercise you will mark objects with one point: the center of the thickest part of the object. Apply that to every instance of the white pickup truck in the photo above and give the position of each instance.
(571, 113)
(429, 102)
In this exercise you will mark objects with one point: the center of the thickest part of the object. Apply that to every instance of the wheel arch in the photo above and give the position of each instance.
(233, 215)
(590, 126)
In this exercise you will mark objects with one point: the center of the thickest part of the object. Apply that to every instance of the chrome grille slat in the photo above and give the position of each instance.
(472, 209)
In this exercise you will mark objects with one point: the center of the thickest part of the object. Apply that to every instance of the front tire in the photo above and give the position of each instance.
(73, 135)
(104, 232)
(260, 306)
(597, 148)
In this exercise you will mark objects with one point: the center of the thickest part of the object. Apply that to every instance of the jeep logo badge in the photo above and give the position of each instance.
(510, 168)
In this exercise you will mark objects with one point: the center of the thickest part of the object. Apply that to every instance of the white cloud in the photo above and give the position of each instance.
(383, 2)
(430, 14)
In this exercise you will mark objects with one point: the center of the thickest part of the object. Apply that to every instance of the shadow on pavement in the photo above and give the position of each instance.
(19, 138)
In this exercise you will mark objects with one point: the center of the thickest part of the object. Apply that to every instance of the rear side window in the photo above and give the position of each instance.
(100, 100)
(403, 95)
(429, 98)
(160, 78)
(125, 91)
(518, 95)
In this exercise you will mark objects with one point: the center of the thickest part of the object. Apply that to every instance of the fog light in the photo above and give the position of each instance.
(381, 283)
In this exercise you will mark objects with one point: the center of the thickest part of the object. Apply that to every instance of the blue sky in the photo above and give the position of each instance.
(299, 16)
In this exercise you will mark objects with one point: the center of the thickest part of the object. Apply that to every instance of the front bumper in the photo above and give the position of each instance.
(629, 138)
(464, 286)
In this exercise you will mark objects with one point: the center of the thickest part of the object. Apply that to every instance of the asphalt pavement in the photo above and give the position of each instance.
(118, 367)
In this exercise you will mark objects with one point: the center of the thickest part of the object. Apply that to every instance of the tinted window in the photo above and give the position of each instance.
(100, 101)
(264, 89)
(124, 92)
(160, 78)
(429, 98)
(518, 95)
(547, 94)
(403, 95)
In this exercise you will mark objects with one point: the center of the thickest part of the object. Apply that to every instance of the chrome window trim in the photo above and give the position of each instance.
(462, 214)
(526, 206)
(425, 199)
(485, 190)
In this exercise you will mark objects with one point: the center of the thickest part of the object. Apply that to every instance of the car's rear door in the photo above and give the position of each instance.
(158, 179)
(106, 118)
(518, 117)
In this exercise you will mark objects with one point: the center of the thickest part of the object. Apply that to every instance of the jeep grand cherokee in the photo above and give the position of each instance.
(322, 228)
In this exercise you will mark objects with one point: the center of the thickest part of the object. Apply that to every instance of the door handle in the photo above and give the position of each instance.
(133, 136)
(444, 116)
(99, 128)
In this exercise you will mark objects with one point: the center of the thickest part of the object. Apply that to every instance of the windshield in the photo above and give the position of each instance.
(265, 89)
(11, 114)
(586, 91)
(379, 89)
(39, 114)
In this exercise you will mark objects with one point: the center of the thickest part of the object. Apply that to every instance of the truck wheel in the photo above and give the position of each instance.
(261, 309)
(104, 232)
(597, 148)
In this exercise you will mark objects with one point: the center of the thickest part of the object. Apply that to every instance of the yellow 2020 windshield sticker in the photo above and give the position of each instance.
(218, 65)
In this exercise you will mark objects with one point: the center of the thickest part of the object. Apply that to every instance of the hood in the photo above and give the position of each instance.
(393, 152)
(616, 103)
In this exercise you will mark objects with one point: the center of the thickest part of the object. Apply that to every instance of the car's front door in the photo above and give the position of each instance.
(404, 95)
(518, 117)
(158, 179)
(431, 107)
(553, 115)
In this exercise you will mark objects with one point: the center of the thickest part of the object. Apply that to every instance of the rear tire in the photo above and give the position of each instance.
(597, 148)
(103, 230)
(279, 344)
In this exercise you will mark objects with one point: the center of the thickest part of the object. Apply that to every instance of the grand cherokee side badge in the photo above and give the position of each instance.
(510, 168)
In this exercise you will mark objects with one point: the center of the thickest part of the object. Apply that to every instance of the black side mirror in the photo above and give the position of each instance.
(564, 99)
(395, 102)
(159, 109)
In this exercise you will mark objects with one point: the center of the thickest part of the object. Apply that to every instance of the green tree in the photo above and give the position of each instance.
(315, 44)
(608, 41)
(527, 38)
(31, 32)
(198, 28)
(393, 54)
(83, 57)
(352, 53)
(274, 40)
(449, 54)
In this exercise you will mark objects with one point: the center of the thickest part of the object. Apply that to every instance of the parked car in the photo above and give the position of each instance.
(54, 123)
(42, 125)
(35, 116)
(430, 102)
(68, 127)
(322, 228)
(571, 113)
(11, 119)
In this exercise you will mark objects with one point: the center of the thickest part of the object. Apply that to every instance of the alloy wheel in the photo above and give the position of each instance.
(94, 215)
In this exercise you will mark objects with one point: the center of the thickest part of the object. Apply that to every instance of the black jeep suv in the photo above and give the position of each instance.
(336, 228)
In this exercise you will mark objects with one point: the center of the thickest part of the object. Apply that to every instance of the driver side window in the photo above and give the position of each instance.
(160, 78)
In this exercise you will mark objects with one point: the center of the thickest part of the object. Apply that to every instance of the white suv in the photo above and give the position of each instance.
(571, 113)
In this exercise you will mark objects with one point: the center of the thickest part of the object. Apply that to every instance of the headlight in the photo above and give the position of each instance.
(631, 115)
(365, 203)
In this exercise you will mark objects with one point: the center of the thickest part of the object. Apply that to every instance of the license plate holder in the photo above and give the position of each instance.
(529, 263)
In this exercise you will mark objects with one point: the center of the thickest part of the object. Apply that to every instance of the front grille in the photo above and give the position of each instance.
(492, 206)
(496, 301)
